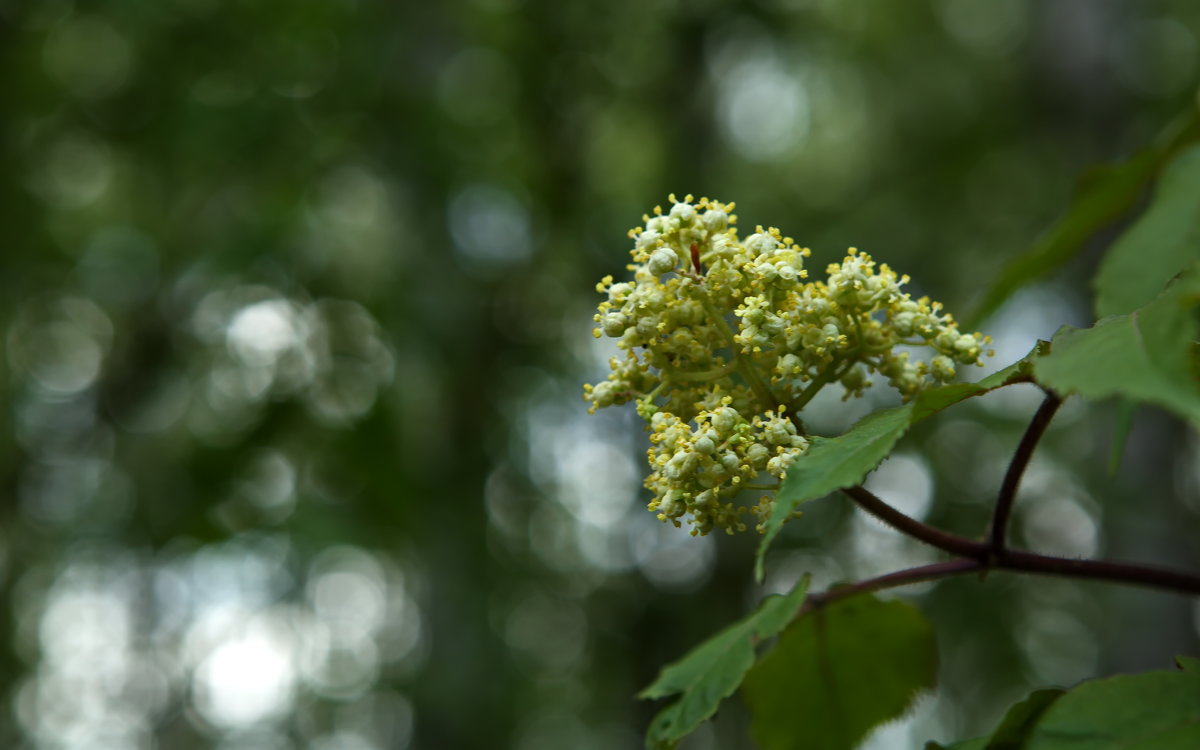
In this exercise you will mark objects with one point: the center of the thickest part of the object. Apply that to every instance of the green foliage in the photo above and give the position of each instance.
(833, 463)
(1147, 355)
(1103, 195)
(1122, 424)
(1164, 241)
(714, 669)
(1141, 262)
(1016, 724)
(839, 672)
(1156, 711)
(1011, 733)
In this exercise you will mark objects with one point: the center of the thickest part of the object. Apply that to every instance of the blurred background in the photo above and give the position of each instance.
(296, 309)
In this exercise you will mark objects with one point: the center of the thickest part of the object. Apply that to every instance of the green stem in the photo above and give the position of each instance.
(715, 374)
(653, 394)
(830, 374)
(744, 366)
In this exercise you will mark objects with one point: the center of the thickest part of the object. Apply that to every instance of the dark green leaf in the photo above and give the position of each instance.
(839, 672)
(714, 669)
(1143, 356)
(1151, 711)
(1020, 719)
(1164, 240)
(1104, 195)
(1122, 424)
(833, 463)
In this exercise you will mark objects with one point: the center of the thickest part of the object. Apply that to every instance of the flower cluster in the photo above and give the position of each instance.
(726, 341)
(695, 470)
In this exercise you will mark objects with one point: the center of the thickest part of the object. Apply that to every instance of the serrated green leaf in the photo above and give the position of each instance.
(1151, 711)
(714, 669)
(839, 672)
(830, 464)
(1103, 195)
(1163, 241)
(1143, 356)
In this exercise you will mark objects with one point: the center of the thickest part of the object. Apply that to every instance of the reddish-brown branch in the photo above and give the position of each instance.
(1016, 468)
(980, 557)
(932, 572)
(944, 540)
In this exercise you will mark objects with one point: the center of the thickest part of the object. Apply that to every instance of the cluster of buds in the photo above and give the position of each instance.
(726, 341)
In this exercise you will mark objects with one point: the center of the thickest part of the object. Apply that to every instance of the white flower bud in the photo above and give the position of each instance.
(658, 225)
(614, 324)
(684, 463)
(759, 243)
(780, 431)
(604, 394)
(645, 328)
(946, 340)
(757, 454)
(618, 292)
(967, 347)
(683, 213)
(725, 419)
(648, 238)
(942, 368)
(662, 260)
(730, 461)
(767, 272)
(778, 465)
(715, 221)
(753, 315)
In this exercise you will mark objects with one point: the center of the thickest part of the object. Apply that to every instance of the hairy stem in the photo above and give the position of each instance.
(932, 536)
(1012, 477)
